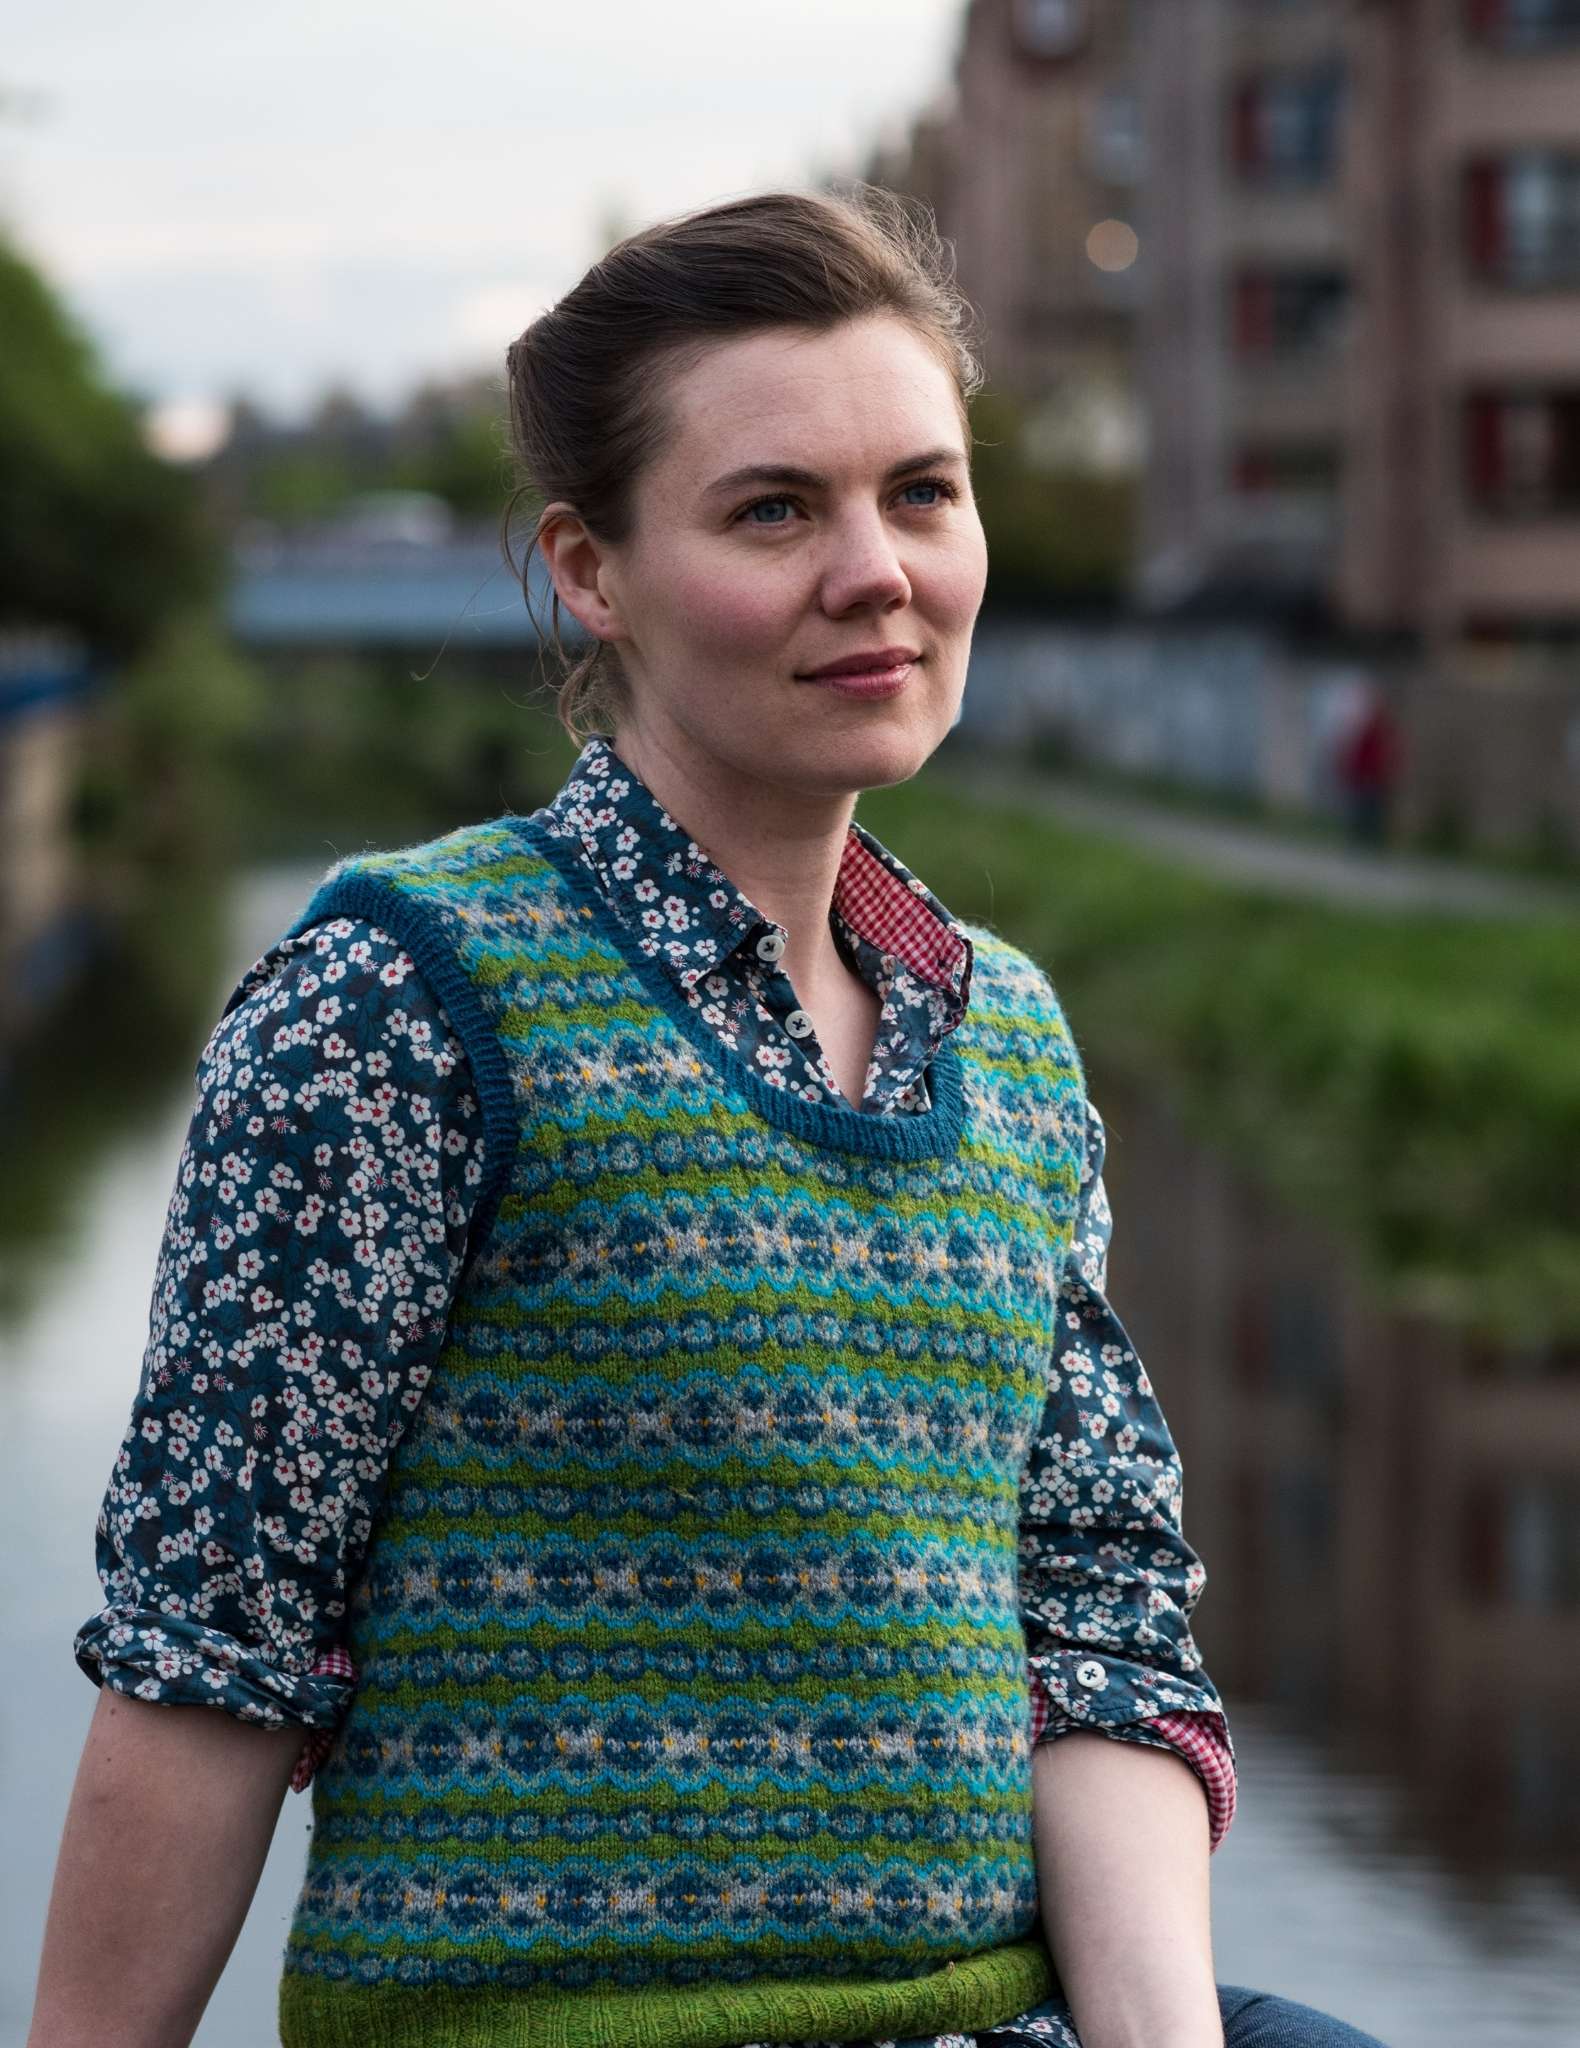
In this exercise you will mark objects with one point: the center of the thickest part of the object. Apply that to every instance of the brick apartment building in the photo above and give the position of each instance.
(1359, 349)
(1360, 341)
(1353, 331)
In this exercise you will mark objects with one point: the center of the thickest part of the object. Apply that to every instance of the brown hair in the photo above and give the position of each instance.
(586, 378)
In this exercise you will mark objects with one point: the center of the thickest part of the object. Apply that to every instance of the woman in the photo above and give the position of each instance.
(630, 1364)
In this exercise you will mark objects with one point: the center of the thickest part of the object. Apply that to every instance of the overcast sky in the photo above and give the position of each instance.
(270, 198)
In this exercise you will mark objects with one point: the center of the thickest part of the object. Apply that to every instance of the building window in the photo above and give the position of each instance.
(1286, 312)
(1522, 453)
(1115, 143)
(1522, 219)
(1518, 25)
(1286, 126)
(1520, 1543)
(1051, 28)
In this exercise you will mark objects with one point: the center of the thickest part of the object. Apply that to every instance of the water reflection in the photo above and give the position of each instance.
(1390, 1511)
(69, 1362)
(1389, 1518)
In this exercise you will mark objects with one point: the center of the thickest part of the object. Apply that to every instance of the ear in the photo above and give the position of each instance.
(575, 560)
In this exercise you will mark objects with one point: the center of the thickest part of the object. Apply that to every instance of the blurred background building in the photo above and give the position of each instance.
(1318, 262)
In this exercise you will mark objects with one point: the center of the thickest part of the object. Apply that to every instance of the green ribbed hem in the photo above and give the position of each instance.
(980, 1991)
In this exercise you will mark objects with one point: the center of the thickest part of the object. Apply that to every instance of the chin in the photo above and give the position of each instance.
(875, 758)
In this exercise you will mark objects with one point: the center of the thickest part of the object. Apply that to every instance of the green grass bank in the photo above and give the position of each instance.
(1414, 1082)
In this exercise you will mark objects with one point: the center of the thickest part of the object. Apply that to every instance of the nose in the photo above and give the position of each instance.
(864, 568)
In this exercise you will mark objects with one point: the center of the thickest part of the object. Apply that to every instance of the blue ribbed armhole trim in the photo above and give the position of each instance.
(405, 919)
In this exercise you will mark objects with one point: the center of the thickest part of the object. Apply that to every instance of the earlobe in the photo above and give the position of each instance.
(574, 558)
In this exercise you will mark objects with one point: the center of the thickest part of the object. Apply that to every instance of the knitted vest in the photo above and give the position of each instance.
(693, 1706)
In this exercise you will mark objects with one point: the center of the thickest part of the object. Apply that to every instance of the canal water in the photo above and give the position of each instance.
(1405, 1852)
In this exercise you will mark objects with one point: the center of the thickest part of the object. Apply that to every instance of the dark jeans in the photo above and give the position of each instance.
(1251, 2019)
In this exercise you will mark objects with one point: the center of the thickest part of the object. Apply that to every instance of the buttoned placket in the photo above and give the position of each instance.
(770, 948)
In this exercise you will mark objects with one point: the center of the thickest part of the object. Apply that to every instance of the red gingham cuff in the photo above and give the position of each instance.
(1201, 1739)
(335, 1664)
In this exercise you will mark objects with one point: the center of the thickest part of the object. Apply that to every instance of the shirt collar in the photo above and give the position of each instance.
(605, 805)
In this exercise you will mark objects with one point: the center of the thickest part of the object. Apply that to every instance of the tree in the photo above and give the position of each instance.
(96, 533)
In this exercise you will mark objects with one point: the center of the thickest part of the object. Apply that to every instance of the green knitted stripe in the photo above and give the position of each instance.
(1012, 1066)
(832, 1523)
(546, 1020)
(420, 879)
(707, 1183)
(655, 1690)
(597, 1636)
(493, 969)
(971, 1993)
(555, 1801)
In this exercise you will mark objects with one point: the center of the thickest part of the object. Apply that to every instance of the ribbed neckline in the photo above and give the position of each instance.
(931, 1133)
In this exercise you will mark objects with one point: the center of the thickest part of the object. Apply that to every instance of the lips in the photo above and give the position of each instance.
(873, 661)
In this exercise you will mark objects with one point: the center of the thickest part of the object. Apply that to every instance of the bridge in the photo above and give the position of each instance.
(353, 590)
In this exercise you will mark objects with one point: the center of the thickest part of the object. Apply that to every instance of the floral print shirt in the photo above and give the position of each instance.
(317, 1227)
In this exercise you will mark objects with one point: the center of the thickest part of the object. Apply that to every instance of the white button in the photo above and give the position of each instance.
(1091, 1674)
(770, 945)
(798, 1024)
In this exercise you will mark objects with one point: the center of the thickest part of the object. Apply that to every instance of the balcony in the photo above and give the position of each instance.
(1524, 570)
(1503, 339)
(1494, 101)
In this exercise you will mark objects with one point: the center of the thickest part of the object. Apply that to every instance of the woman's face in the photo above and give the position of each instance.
(812, 501)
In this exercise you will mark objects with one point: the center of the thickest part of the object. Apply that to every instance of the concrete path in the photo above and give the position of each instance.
(1265, 858)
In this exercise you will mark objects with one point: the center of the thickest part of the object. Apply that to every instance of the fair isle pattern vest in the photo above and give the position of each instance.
(693, 1705)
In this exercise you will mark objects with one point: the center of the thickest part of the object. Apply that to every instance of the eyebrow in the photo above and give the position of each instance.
(813, 480)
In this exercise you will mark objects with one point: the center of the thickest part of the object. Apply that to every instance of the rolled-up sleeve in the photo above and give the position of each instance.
(1108, 1582)
(301, 1293)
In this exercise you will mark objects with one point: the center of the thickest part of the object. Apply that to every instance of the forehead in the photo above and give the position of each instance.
(866, 393)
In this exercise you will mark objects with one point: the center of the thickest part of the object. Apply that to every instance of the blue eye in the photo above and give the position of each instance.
(763, 504)
(925, 485)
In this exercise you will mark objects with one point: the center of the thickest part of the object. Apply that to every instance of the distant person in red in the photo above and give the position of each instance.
(1367, 766)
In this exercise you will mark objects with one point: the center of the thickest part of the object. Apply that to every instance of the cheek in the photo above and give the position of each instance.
(710, 605)
(956, 580)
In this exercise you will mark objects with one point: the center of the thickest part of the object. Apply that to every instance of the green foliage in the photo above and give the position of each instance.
(1413, 1082)
(158, 783)
(301, 484)
(96, 532)
(363, 749)
(466, 465)
(1055, 536)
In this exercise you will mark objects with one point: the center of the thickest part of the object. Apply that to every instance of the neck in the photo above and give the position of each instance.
(781, 848)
